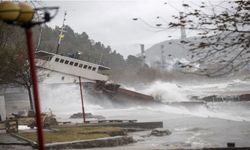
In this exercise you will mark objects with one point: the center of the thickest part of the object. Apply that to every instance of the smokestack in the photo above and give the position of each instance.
(142, 48)
(143, 55)
(163, 58)
(183, 30)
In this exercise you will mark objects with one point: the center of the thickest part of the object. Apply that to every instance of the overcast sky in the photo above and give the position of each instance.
(110, 21)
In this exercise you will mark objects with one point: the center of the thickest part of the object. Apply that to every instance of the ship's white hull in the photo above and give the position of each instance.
(58, 68)
(52, 77)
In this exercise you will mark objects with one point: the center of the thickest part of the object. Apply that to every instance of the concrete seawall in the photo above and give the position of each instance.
(141, 125)
(101, 142)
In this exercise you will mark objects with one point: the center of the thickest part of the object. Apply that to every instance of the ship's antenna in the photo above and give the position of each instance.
(61, 35)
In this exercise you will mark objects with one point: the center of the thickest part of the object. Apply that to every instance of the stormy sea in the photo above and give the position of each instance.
(193, 125)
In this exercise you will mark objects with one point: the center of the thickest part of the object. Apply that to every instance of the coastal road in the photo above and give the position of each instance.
(8, 142)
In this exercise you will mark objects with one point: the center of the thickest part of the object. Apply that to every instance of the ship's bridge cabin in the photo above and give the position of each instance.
(71, 66)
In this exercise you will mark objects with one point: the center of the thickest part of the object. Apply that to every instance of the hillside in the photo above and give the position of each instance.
(12, 40)
(172, 50)
(177, 53)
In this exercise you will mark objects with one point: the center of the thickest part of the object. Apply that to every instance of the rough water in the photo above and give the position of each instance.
(193, 126)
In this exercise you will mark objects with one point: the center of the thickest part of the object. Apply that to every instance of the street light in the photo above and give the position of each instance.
(9, 11)
(21, 14)
(26, 12)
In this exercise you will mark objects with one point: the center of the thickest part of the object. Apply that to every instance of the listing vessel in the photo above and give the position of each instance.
(89, 72)
(95, 77)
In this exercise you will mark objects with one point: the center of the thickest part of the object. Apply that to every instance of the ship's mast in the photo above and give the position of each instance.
(61, 35)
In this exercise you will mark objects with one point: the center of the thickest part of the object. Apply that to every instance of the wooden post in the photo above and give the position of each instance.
(83, 112)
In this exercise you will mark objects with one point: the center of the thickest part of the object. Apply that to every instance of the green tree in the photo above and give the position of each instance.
(16, 70)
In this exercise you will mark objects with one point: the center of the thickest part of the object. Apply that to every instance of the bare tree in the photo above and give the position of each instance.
(15, 71)
(14, 66)
(223, 29)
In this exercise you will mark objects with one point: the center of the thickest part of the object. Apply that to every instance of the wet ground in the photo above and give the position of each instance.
(193, 132)
(192, 126)
(187, 132)
(8, 142)
(15, 147)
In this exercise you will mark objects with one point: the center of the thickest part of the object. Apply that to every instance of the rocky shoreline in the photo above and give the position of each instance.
(222, 98)
(87, 115)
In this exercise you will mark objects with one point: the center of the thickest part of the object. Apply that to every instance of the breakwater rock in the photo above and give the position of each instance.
(87, 115)
(160, 132)
(221, 98)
